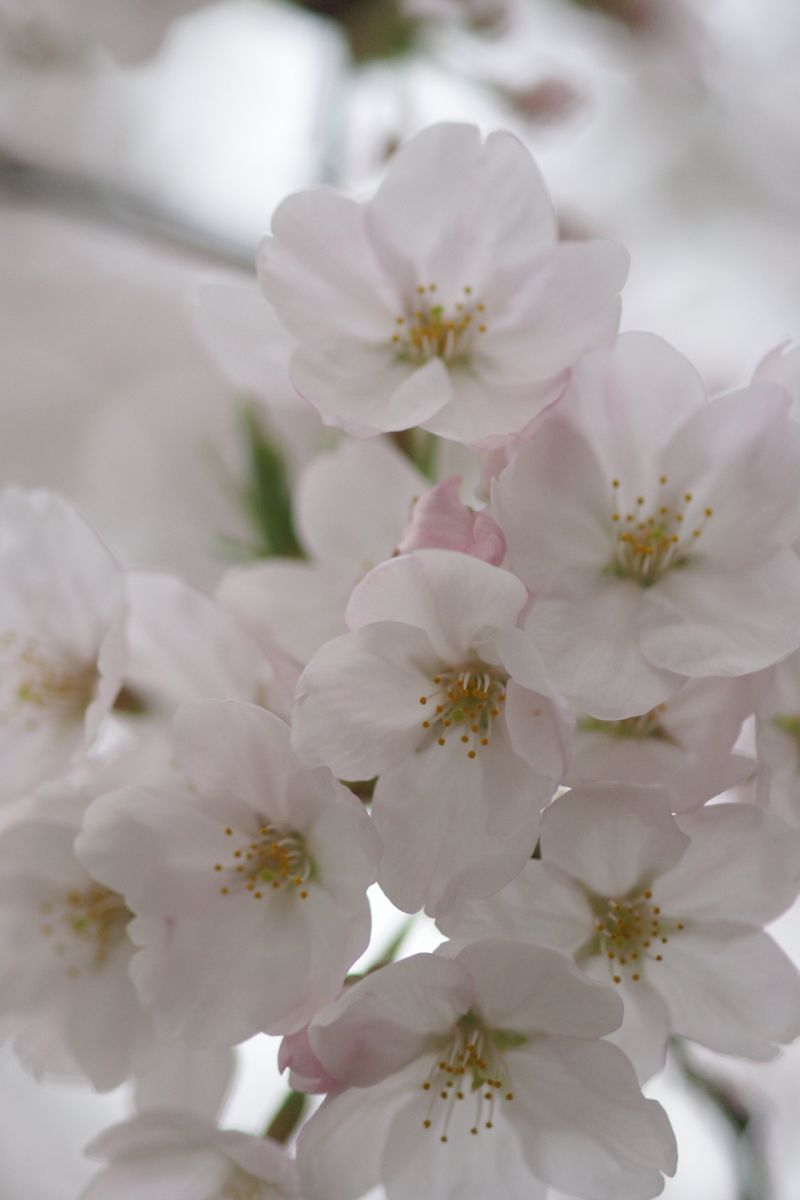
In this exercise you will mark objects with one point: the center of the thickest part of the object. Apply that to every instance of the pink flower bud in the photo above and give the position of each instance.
(440, 521)
(306, 1072)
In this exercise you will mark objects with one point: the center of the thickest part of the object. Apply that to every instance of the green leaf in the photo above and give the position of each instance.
(267, 495)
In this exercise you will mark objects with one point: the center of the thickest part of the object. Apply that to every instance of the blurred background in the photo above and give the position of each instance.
(143, 147)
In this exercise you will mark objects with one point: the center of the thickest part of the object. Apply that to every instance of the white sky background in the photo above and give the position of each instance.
(690, 156)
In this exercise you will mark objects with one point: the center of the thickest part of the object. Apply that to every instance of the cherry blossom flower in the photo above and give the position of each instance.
(655, 529)
(433, 692)
(352, 506)
(668, 909)
(685, 743)
(62, 612)
(446, 300)
(480, 1075)
(66, 954)
(440, 520)
(249, 884)
(173, 1155)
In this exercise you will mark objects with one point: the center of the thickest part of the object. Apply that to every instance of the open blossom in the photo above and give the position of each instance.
(446, 300)
(174, 1155)
(684, 743)
(352, 506)
(655, 529)
(62, 612)
(66, 954)
(433, 692)
(668, 909)
(480, 1075)
(248, 885)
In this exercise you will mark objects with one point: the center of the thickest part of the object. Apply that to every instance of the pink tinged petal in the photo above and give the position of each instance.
(262, 1158)
(692, 777)
(367, 389)
(612, 838)
(352, 504)
(158, 847)
(149, 1132)
(739, 456)
(417, 1163)
(646, 1024)
(440, 520)
(175, 1075)
(299, 606)
(540, 730)
(586, 627)
(320, 272)
(358, 701)
(480, 411)
(455, 212)
(269, 971)
(542, 905)
(184, 646)
(442, 840)
(730, 988)
(168, 1174)
(585, 1126)
(237, 751)
(704, 621)
(628, 402)
(533, 990)
(340, 1149)
(380, 1025)
(98, 1019)
(554, 505)
(567, 303)
(707, 714)
(245, 339)
(782, 366)
(454, 597)
(740, 865)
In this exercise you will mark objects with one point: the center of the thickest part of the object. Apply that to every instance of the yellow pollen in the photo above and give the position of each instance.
(625, 930)
(277, 858)
(465, 700)
(650, 544)
(429, 330)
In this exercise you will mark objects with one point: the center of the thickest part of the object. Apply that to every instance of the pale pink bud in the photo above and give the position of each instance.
(440, 521)
(306, 1072)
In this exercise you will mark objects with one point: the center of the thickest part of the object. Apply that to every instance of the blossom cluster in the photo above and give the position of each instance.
(541, 590)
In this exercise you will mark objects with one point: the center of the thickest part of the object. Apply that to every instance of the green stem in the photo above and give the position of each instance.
(287, 1118)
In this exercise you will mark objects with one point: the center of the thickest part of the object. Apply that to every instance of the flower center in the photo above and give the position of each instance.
(465, 701)
(272, 861)
(471, 1066)
(632, 932)
(647, 546)
(429, 330)
(96, 918)
(43, 685)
